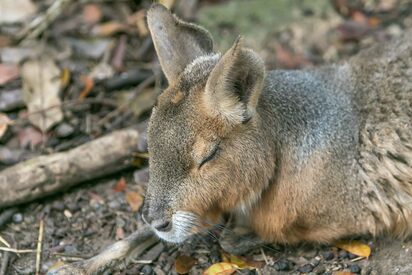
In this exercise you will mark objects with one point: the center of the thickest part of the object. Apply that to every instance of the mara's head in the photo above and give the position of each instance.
(207, 154)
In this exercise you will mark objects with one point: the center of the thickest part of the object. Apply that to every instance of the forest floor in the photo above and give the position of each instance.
(108, 79)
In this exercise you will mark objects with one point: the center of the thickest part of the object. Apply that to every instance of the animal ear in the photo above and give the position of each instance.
(177, 43)
(234, 85)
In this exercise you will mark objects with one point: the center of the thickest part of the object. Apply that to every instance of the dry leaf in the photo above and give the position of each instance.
(355, 247)
(240, 262)
(65, 78)
(183, 264)
(120, 185)
(5, 121)
(88, 86)
(13, 11)
(109, 28)
(41, 86)
(92, 14)
(343, 273)
(135, 200)
(221, 269)
(138, 19)
(8, 72)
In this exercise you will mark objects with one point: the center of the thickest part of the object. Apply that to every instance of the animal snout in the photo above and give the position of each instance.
(155, 219)
(162, 225)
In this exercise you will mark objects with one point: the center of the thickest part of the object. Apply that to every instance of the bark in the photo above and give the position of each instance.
(45, 175)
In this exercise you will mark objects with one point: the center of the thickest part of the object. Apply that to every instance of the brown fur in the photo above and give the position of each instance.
(311, 155)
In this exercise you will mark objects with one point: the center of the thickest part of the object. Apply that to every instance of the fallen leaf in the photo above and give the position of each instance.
(138, 19)
(88, 86)
(109, 28)
(343, 273)
(120, 185)
(5, 121)
(355, 247)
(184, 263)
(92, 14)
(65, 78)
(135, 200)
(41, 86)
(8, 72)
(241, 262)
(14, 11)
(221, 269)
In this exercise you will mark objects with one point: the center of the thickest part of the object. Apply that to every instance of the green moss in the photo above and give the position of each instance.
(254, 19)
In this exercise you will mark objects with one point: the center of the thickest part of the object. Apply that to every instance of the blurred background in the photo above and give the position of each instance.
(73, 71)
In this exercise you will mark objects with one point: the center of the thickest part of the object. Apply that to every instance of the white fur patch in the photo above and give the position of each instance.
(183, 224)
(201, 61)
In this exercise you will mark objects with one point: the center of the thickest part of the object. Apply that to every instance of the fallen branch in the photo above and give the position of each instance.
(45, 175)
(114, 255)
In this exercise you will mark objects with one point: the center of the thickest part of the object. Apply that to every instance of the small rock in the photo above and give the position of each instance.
(114, 204)
(18, 218)
(141, 176)
(146, 270)
(328, 255)
(352, 256)
(319, 269)
(354, 268)
(158, 271)
(343, 254)
(58, 205)
(282, 265)
(64, 130)
(67, 213)
(305, 268)
(154, 252)
(73, 207)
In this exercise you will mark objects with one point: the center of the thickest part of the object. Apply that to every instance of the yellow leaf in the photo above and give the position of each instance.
(355, 247)
(183, 264)
(240, 262)
(135, 200)
(221, 269)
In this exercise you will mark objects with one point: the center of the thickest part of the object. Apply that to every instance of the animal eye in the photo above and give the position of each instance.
(211, 155)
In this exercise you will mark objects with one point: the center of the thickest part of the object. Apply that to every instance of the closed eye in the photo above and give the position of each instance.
(210, 156)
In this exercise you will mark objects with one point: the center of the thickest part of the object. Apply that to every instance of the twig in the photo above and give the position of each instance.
(4, 242)
(124, 106)
(17, 251)
(39, 24)
(264, 256)
(39, 247)
(4, 263)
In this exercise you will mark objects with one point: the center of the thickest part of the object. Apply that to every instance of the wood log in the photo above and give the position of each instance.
(45, 175)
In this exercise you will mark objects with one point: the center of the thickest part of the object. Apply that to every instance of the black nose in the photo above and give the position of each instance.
(162, 225)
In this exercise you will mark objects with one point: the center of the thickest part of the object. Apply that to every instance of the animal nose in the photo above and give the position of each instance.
(162, 225)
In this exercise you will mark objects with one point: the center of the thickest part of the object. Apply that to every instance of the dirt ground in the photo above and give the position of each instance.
(105, 54)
